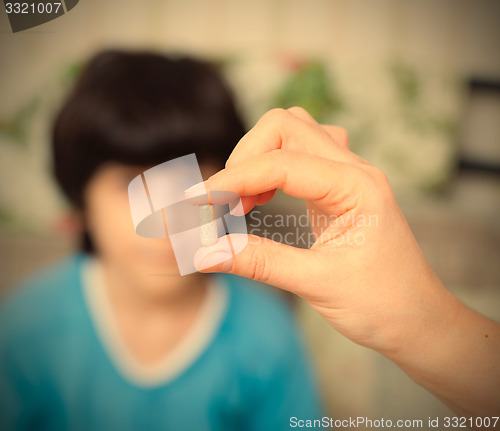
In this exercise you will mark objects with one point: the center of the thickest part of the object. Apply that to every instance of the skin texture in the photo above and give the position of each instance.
(370, 281)
(152, 305)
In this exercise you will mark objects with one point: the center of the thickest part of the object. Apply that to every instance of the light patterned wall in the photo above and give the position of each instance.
(357, 41)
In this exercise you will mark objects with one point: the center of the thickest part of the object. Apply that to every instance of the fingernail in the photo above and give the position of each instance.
(196, 190)
(224, 258)
(236, 209)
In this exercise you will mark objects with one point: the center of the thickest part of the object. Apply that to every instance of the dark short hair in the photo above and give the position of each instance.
(141, 108)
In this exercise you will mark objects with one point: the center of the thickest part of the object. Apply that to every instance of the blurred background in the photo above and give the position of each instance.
(416, 84)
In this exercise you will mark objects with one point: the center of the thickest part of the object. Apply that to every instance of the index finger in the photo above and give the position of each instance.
(338, 134)
(281, 129)
(328, 182)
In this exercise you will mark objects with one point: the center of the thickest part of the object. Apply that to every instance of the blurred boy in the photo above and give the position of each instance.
(98, 343)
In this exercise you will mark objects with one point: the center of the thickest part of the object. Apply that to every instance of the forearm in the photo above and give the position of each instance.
(454, 352)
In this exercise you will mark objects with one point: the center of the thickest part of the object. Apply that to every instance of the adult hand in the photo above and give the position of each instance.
(365, 266)
(365, 273)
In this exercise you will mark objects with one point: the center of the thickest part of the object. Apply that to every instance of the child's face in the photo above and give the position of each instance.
(109, 221)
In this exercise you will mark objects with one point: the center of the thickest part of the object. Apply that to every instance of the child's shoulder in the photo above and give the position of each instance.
(252, 297)
(41, 299)
(258, 312)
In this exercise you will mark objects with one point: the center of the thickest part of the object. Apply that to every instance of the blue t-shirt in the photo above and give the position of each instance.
(55, 373)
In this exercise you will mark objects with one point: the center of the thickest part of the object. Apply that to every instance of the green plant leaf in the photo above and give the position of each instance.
(311, 88)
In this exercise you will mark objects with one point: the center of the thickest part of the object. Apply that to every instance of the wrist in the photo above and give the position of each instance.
(420, 329)
(453, 352)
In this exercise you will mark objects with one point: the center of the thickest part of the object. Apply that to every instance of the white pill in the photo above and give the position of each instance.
(208, 226)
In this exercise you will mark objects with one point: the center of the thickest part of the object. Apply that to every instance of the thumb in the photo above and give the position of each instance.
(261, 259)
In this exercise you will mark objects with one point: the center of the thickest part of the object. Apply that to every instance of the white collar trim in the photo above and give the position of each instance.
(184, 354)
